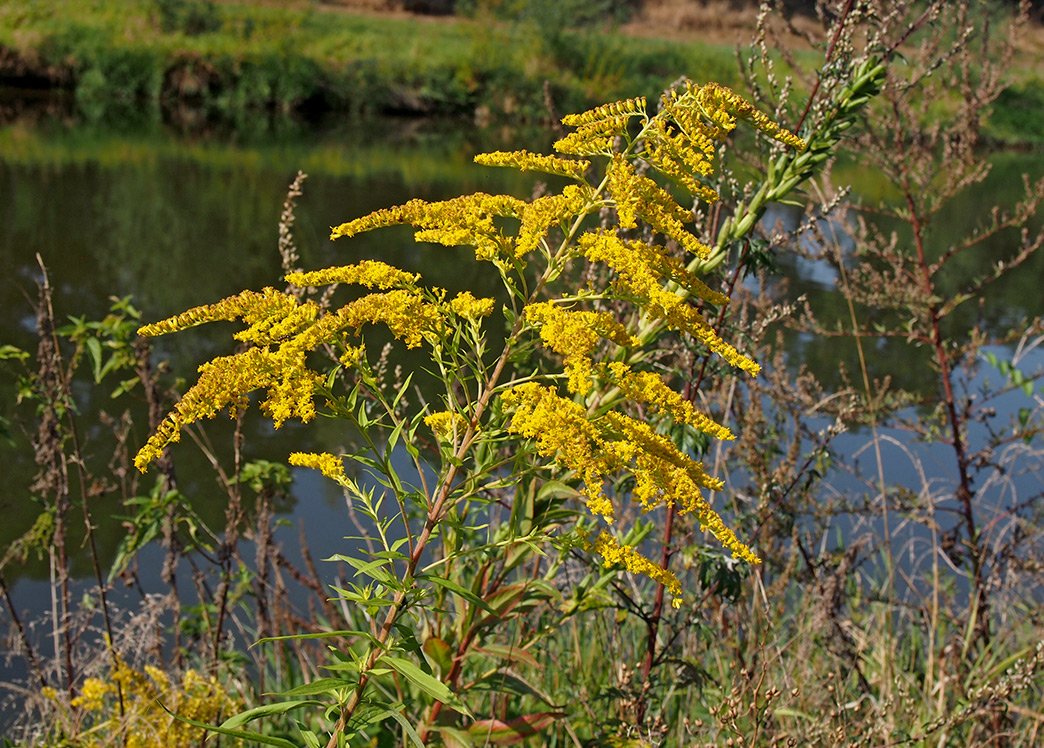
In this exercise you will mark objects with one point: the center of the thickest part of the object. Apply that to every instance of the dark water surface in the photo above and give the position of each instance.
(176, 221)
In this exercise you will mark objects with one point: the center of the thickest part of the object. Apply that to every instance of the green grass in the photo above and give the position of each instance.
(231, 57)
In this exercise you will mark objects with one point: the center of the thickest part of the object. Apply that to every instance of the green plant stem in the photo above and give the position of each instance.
(435, 515)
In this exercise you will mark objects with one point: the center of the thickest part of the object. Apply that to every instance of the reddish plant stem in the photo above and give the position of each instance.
(964, 493)
(653, 622)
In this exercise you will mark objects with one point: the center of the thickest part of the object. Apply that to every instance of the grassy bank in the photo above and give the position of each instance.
(231, 58)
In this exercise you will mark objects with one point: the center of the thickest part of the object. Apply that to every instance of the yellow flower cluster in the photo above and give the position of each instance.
(465, 220)
(574, 335)
(222, 383)
(596, 450)
(144, 723)
(604, 112)
(639, 278)
(250, 306)
(369, 273)
(638, 196)
(409, 317)
(664, 475)
(642, 267)
(283, 333)
(269, 329)
(563, 432)
(613, 553)
(526, 161)
(646, 387)
(327, 464)
(598, 127)
(722, 105)
(683, 158)
(446, 425)
(641, 439)
(467, 306)
(539, 216)
(92, 695)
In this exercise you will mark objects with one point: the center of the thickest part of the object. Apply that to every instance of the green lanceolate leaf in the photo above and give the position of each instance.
(468, 595)
(408, 728)
(254, 737)
(427, 683)
(266, 710)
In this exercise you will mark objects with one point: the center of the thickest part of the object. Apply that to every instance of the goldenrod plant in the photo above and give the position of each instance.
(507, 430)
(135, 708)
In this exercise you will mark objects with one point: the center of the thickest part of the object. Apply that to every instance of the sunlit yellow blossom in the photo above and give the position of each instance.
(92, 695)
(562, 431)
(526, 161)
(681, 316)
(352, 355)
(664, 475)
(642, 267)
(140, 719)
(539, 216)
(638, 280)
(160, 678)
(467, 306)
(409, 317)
(604, 112)
(597, 128)
(642, 435)
(613, 553)
(279, 327)
(663, 218)
(465, 220)
(221, 384)
(646, 387)
(574, 335)
(592, 141)
(675, 156)
(49, 692)
(446, 425)
(368, 273)
(327, 464)
(283, 332)
(251, 306)
(623, 187)
(382, 218)
(638, 196)
(718, 102)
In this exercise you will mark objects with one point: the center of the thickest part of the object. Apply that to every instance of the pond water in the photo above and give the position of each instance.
(177, 220)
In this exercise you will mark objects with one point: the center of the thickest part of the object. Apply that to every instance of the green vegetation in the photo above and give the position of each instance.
(230, 58)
